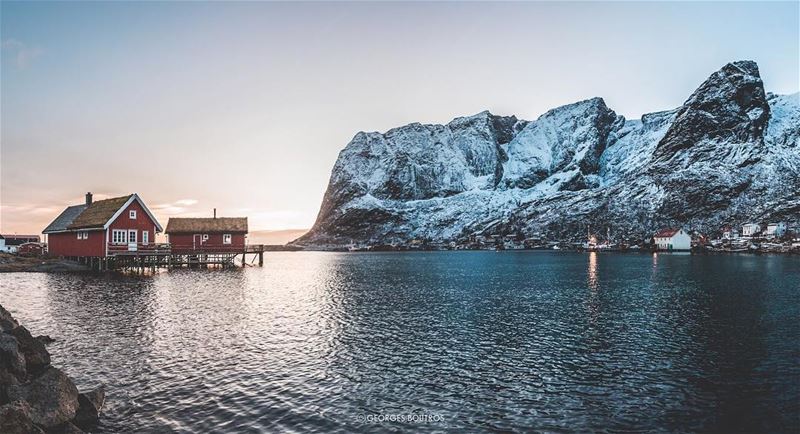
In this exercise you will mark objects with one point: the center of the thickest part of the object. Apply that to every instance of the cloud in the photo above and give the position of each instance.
(30, 209)
(177, 207)
(22, 54)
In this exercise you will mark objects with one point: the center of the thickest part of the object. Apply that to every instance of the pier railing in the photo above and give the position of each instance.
(137, 248)
(166, 248)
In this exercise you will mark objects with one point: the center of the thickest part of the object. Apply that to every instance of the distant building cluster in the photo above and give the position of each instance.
(776, 237)
(769, 237)
(21, 244)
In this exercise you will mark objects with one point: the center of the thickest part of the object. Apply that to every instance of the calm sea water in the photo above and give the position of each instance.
(472, 341)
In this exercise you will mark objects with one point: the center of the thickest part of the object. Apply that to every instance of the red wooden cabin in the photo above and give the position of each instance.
(30, 249)
(108, 227)
(10, 243)
(207, 235)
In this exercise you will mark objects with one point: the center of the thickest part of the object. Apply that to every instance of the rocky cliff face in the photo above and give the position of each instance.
(730, 154)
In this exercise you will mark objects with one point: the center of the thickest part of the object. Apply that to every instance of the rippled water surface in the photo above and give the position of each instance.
(525, 341)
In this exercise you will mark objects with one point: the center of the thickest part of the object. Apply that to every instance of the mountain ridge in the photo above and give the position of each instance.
(729, 153)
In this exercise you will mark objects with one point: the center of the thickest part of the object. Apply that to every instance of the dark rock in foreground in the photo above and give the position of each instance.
(7, 322)
(65, 428)
(52, 396)
(37, 359)
(12, 359)
(15, 418)
(45, 339)
(89, 406)
(36, 397)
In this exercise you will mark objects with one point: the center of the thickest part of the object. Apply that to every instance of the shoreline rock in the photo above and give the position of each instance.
(21, 264)
(52, 396)
(36, 397)
(15, 418)
(89, 406)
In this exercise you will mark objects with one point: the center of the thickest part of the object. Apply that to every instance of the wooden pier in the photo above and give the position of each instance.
(161, 256)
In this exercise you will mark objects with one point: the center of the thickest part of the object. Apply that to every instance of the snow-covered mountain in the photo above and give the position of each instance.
(729, 155)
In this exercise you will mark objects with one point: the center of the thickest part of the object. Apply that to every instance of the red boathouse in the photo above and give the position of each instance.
(103, 228)
(209, 234)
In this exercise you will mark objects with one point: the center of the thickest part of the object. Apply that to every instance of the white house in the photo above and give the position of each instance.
(672, 239)
(776, 229)
(729, 233)
(10, 242)
(751, 229)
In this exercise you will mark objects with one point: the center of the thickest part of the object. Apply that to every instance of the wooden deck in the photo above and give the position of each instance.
(162, 255)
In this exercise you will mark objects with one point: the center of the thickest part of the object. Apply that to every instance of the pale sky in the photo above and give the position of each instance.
(245, 106)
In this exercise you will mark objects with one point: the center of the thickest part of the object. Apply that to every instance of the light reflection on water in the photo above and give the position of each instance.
(592, 271)
(500, 341)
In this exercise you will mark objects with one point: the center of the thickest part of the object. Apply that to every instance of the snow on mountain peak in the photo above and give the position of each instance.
(716, 159)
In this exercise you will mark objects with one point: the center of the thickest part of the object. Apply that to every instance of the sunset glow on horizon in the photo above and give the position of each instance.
(244, 107)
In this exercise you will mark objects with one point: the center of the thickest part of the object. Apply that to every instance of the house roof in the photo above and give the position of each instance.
(98, 213)
(64, 219)
(666, 233)
(16, 240)
(207, 225)
(19, 237)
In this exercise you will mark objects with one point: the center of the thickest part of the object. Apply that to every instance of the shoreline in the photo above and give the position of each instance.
(550, 250)
(19, 264)
(22, 264)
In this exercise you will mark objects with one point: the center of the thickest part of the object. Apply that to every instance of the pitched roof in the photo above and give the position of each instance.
(666, 233)
(16, 240)
(206, 225)
(19, 237)
(98, 213)
(64, 219)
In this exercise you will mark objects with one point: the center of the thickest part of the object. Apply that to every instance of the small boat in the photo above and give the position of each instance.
(556, 247)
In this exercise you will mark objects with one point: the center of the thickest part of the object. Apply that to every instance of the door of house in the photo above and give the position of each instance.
(132, 240)
(197, 241)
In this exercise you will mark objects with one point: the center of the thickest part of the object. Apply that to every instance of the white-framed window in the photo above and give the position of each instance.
(119, 236)
(131, 235)
(145, 237)
(83, 235)
(132, 214)
(226, 238)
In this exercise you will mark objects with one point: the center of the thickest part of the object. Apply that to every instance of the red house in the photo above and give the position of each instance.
(103, 228)
(208, 235)
(30, 249)
(10, 243)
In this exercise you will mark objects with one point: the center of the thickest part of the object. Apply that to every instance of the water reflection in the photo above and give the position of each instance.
(513, 341)
(592, 271)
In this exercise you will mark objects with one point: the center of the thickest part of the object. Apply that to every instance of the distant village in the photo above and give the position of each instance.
(776, 237)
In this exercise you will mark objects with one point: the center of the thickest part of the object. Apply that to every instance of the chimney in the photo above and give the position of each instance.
(215, 213)
(88, 198)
